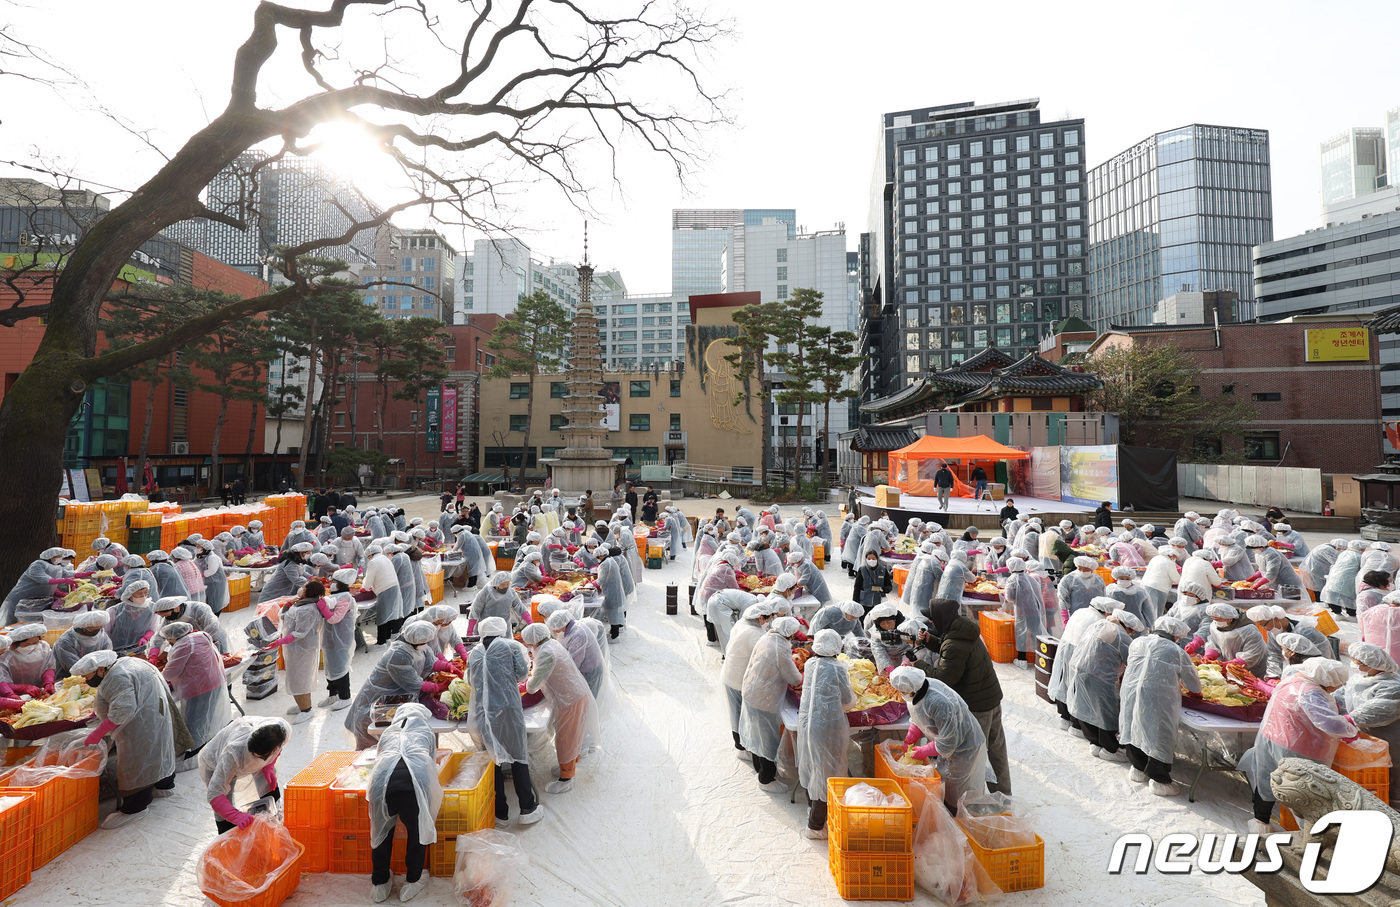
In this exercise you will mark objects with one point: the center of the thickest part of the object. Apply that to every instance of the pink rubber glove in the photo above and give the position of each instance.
(147, 638)
(269, 773)
(1212, 654)
(522, 688)
(913, 736)
(229, 813)
(99, 732)
(461, 651)
(48, 680)
(1238, 662)
(280, 642)
(63, 581)
(325, 609)
(927, 752)
(26, 690)
(1064, 616)
(1195, 645)
(441, 664)
(13, 705)
(1002, 570)
(87, 573)
(526, 616)
(471, 628)
(1257, 575)
(1217, 564)
(430, 687)
(151, 653)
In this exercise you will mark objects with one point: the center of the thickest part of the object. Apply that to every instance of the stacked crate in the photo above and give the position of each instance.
(870, 848)
(999, 635)
(16, 841)
(79, 525)
(306, 807)
(65, 809)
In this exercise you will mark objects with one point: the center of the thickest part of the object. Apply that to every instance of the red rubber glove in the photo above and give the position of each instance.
(280, 642)
(1238, 662)
(7, 690)
(13, 705)
(430, 687)
(147, 638)
(1064, 616)
(99, 732)
(229, 813)
(441, 664)
(522, 688)
(26, 690)
(325, 609)
(1217, 564)
(461, 651)
(48, 681)
(1256, 576)
(927, 752)
(1212, 654)
(913, 736)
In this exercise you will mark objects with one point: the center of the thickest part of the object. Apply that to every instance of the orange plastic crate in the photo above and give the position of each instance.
(1375, 778)
(306, 798)
(868, 829)
(915, 789)
(999, 634)
(317, 842)
(16, 845)
(353, 855)
(819, 557)
(64, 811)
(466, 811)
(1012, 868)
(349, 811)
(434, 586)
(279, 886)
(872, 876)
(66, 829)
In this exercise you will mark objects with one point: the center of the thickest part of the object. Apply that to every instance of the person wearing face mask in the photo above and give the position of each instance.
(873, 582)
(36, 582)
(1132, 594)
(823, 738)
(381, 579)
(291, 571)
(1294, 649)
(497, 599)
(1093, 682)
(196, 614)
(403, 787)
(246, 748)
(855, 543)
(1234, 637)
(1190, 608)
(88, 634)
(573, 716)
(957, 745)
(1078, 588)
(1339, 592)
(136, 571)
(168, 581)
(1150, 703)
(134, 621)
(195, 672)
(582, 647)
(843, 617)
(495, 670)
(400, 672)
(610, 582)
(300, 626)
(134, 705)
(747, 633)
(1021, 596)
(30, 661)
(1301, 722)
(769, 673)
(1318, 563)
(1372, 698)
(528, 571)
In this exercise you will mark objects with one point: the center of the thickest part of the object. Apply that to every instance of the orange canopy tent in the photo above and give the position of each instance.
(912, 468)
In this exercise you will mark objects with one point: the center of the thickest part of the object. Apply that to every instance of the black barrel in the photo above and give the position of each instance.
(671, 596)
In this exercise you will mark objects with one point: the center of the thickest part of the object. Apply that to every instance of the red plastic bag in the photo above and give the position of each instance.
(245, 862)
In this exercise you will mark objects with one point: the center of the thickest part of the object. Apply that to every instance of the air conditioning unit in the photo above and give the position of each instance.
(179, 448)
(783, 420)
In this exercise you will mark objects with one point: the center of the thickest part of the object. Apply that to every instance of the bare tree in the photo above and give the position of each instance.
(496, 95)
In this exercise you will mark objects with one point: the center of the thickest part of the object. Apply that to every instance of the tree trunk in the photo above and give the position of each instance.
(416, 422)
(145, 450)
(215, 472)
(826, 439)
(248, 453)
(307, 403)
(529, 418)
(328, 400)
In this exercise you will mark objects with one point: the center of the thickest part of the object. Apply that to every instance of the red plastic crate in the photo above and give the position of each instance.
(16, 845)
(306, 798)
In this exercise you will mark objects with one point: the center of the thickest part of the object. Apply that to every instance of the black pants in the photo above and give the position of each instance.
(767, 769)
(1065, 715)
(1263, 809)
(816, 814)
(138, 801)
(387, 631)
(1161, 772)
(402, 803)
(737, 745)
(340, 687)
(616, 629)
(524, 791)
(223, 826)
(1100, 737)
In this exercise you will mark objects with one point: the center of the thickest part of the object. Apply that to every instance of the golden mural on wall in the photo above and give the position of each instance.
(724, 387)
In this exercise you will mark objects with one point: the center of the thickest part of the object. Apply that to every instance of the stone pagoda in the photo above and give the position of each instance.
(584, 463)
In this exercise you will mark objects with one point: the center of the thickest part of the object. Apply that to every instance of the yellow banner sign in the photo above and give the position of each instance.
(1338, 345)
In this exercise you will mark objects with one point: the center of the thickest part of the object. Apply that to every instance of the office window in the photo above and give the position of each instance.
(1071, 136)
(998, 146)
(639, 422)
(558, 389)
(519, 390)
(1261, 445)
(557, 422)
(1267, 398)
(1023, 163)
(909, 156)
(517, 422)
(406, 264)
(1047, 140)
(675, 388)
(782, 255)
(1023, 143)
(675, 421)
(782, 291)
(639, 389)
(782, 273)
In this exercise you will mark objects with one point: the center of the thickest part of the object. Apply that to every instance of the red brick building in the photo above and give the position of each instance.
(1314, 413)
(110, 423)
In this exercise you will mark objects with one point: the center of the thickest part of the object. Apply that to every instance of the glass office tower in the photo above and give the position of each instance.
(699, 238)
(1177, 212)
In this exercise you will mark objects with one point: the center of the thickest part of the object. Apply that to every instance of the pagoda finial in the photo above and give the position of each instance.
(585, 242)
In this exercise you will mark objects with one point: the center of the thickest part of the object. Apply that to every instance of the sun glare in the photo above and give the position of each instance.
(354, 155)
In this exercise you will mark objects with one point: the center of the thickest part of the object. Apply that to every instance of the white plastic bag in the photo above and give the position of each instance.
(944, 864)
(487, 865)
(995, 820)
(868, 795)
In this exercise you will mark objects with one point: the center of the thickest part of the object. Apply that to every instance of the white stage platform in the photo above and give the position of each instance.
(1024, 503)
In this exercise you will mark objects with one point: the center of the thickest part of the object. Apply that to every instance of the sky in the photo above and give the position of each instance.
(805, 86)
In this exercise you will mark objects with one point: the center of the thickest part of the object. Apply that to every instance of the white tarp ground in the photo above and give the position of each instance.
(667, 815)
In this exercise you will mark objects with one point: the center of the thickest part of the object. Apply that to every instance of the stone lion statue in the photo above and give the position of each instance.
(1311, 791)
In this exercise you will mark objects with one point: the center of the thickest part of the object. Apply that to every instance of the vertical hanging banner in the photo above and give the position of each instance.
(434, 417)
(449, 418)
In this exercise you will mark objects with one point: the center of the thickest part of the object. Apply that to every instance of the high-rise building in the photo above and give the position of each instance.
(640, 330)
(699, 238)
(1177, 213)
(977, 226)
(1353, 164)
(497, 273)
(284, 203)
(415, 275)
(1392, 144)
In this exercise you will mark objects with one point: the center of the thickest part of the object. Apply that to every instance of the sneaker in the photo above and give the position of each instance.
(562, 786)
(1117, 756)
(118, 819)
(816, 834)
(340, 704)
(410, 891)
(301, 717)
(1255, 827)
(1170, 789)
(162, 794)
(1137, 776)
(533, 816)
(380, 893)
(774, 787)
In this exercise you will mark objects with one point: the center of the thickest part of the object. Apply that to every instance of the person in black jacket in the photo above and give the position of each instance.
(1008, 513)
(873, 581)
(966, 667)
(943, 481)
(979, 482)
(1104, 515)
